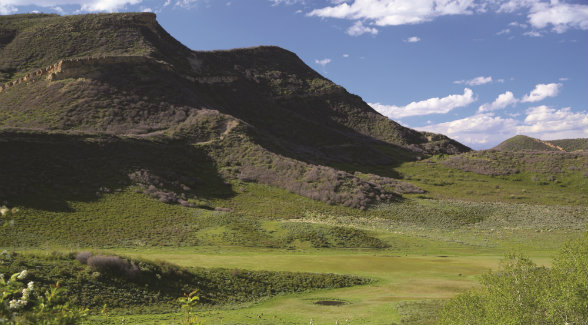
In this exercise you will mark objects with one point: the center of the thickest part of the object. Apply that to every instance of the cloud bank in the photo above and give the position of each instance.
(486, 130)
(540, 14)
(434, 105)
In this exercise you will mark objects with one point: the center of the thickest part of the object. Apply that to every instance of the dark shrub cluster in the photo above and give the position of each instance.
(164, 190)
(109, 264)
(393, 185)
(250, 162)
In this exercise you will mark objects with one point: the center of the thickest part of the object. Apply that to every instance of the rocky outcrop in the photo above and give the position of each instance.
(76, 67)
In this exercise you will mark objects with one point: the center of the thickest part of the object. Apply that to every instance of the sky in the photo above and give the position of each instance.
(478, 71)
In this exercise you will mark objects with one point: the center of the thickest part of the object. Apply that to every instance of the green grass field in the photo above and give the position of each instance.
(418, 252)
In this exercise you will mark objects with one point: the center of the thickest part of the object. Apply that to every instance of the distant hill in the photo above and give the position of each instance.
(571, 144)
(525, 143)
(257, 114)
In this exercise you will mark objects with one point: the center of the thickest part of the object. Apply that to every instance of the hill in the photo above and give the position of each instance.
(571, 144)
(258, 114)
(525, 143)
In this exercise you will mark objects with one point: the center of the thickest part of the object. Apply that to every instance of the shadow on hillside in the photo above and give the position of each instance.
(45, 171)
(306, 129)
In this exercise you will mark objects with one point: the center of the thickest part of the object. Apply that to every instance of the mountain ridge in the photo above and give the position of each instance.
(259, 113)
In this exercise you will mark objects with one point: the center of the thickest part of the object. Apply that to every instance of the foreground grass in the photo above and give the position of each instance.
(419, 252)
(403, 283)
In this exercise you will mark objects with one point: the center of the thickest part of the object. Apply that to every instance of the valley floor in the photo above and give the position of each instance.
(411, 284)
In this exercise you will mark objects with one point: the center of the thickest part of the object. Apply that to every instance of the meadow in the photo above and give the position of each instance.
(413, 255)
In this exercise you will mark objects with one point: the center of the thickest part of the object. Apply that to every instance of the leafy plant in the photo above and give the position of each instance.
(188, 303)
(524, 293)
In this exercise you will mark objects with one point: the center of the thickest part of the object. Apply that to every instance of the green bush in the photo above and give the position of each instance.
(524, 293)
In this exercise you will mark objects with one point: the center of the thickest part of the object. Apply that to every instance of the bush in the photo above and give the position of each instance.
(113, 265)
(524, 293)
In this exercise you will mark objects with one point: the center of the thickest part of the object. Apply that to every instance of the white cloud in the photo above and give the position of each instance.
(502, 101)
(413, 39)
(477, 130)
(395, 12)
(430, 106)
(7, 9)
(10, 6)
(185, 4)
(562, 16)
(485, 130)
(475, 82)
(517, 24)
(541, 92)
(359, 29)
(323, 62)
(346, 55)
(504, 31)
(548, 123)
(533, 33)
(542, 14)
(285, 2)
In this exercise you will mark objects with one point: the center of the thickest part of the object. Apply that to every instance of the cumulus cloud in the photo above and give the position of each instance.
(540, 14)
(484, 130)
(558, 15)
(434, 105)
(359, 29)
(475, 82)
(549, 123)
(561, 16)
(541, 92)
(477, 130)
(10, 6)
(395, 12)
(502, 101)
(413, 39)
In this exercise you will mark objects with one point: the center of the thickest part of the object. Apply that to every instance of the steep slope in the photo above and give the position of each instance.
(260, 114)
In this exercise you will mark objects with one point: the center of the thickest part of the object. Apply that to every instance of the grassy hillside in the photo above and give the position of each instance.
(33, 41)
(525, 143)
(257, 114)
(134, 285)
(571, 144)
(241, 166)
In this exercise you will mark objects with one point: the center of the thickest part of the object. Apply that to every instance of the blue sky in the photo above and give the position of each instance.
(479, 71)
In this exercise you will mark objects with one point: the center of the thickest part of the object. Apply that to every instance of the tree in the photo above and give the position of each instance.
(523, 293)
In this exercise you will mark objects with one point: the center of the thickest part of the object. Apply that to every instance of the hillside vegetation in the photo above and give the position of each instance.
(524, 143)
(257, 114)
(170, 170)
(572, 144)
(96, 280)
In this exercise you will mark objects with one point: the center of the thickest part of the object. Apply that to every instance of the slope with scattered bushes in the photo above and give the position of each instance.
(94, 280)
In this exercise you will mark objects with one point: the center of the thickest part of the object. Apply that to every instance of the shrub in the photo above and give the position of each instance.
(83, 257)
(524, 293)
(113, 265)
